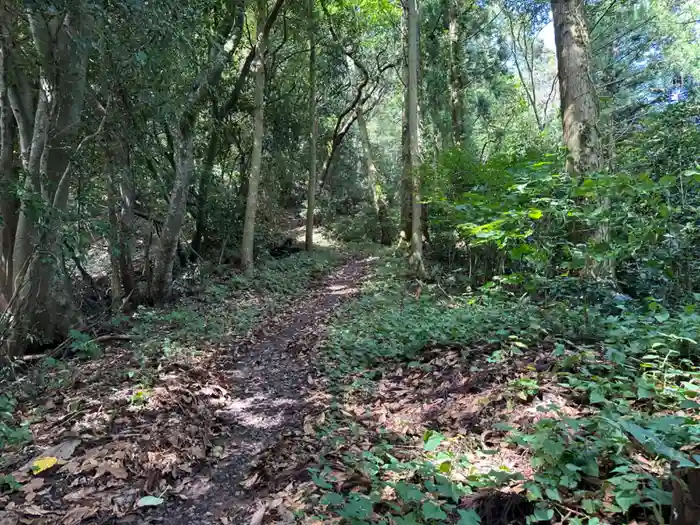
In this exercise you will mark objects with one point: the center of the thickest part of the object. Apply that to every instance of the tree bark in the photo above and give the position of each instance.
(9, 203)
(48, 125)
(166, 249)
(378, 197)
(579, 108)
(579, 103)
(412, 118)
(406, 181)
(247, 246)
(203, 193)
(456, 84)
(311, 190)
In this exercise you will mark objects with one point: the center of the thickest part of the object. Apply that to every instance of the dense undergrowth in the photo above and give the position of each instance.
(547, 368)
(495, 407)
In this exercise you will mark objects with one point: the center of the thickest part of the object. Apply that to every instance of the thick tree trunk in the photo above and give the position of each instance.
(378, 197)
(311, 190)
(412, 118)
(247, 247)
(9, 203)
(685, 509)
(579, 103)
(579, 107)
(48, 125)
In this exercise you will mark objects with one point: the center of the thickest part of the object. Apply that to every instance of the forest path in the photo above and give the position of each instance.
(272, 387)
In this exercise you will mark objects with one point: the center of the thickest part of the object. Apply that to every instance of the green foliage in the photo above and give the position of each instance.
(84, 345)
(11, 434)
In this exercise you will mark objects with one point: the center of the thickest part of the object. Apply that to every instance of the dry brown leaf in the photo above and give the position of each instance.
(34, 485)
(21, 476)
(79, 494)
(34, 510)
(259, 515)
(117, 470)
(77, 515)
(8, 518)
(250, 481)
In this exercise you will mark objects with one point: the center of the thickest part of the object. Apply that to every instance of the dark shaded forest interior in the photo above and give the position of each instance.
(350, 262)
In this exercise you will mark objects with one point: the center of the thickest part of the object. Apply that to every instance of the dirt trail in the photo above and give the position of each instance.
(269, 377)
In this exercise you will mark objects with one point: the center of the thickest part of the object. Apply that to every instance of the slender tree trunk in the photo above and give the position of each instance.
(456, 87)
(406, 181)
(119, 208)
(256, 160)
(412, 117)
(378, 197)
(311, 191)
(203, 193)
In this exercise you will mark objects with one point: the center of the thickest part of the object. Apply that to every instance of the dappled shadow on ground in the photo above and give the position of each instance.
(186, 436)
(467, 394)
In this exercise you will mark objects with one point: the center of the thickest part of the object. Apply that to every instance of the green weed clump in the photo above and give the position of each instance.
(618, 402)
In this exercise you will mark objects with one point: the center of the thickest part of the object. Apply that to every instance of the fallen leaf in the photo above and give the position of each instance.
(77, 515)
(308, 427)
(34, 510)
(259, 515)
(64, 450)
(149, 501)
(34, 485)
(118, 471)
(79, 494)
(21, 475)
(42, 464)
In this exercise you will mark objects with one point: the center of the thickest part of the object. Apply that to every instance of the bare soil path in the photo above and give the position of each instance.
(271, 381)
(174, 439)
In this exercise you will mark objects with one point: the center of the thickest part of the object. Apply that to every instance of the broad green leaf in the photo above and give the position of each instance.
(626, 500)
(432, 511)
(149, 501)
(409, 492)
(431, 440)
(332, 498)
(468, 517)
(543, 514)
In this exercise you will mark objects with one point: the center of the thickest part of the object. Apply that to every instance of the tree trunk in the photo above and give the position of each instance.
(167, 247)
(406, 181)
(378, 197)
(456, 87)
(48, 125)
(183, 137)
(685, 508)
(247, 246)
(311, 190)
(412, 118)
(203, 193)
(120, 198)
(579, 103)
(9, 203)
(579, 107)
